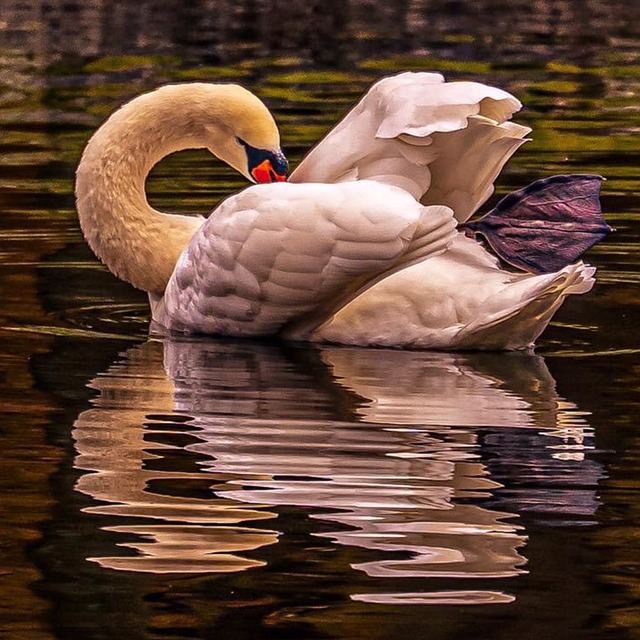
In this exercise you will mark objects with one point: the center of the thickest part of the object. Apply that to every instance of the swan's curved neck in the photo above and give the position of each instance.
(138, 243)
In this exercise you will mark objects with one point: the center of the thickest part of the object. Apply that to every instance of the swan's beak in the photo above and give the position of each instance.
(267, 166)
(266, 172)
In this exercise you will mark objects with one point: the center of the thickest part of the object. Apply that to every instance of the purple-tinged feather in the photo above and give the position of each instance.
(547, 225)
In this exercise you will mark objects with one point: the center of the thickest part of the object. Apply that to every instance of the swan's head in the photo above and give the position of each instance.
(244, 134)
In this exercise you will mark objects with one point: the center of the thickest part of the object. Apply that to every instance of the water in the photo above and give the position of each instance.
(238, 489)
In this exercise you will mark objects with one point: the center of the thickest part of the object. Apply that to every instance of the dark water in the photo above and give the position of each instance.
(229, 489)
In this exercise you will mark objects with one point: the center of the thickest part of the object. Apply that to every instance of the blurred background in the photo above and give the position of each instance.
(331, 33)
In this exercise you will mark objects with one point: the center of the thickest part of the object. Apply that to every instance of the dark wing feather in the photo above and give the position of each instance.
(547, 225)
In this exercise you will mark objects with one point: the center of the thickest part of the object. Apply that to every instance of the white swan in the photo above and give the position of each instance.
(344, 251)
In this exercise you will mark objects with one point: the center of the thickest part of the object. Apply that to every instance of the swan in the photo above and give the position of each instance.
(365, 244)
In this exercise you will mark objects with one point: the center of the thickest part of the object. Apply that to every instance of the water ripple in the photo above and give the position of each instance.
(427, 472)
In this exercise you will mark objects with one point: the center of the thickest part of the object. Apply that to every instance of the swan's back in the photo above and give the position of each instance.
(287, 253)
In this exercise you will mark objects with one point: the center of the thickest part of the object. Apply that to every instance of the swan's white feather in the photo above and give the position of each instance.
(461, 299)
(275, 253)
(358, 248)
(444, 142)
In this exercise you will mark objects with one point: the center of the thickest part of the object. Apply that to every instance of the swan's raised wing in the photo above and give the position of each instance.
(281, 253)
(444, 142)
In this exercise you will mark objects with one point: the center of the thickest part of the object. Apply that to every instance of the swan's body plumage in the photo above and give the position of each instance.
(359, 247)
(271, 257)
(474, 303)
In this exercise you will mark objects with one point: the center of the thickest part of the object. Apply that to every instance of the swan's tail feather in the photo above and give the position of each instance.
(518, 326)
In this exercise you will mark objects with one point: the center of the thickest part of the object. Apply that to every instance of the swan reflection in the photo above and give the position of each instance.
(421, 461)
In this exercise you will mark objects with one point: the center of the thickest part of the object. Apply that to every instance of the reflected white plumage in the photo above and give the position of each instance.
(359, 247)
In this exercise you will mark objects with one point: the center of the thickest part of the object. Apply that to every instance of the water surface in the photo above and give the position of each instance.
(220, 488)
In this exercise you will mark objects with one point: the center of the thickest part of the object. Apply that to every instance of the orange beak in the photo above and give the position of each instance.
(265, 172)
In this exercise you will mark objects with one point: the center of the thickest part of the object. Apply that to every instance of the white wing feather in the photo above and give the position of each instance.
(281, 252)
(443, 142)
(461, 299)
